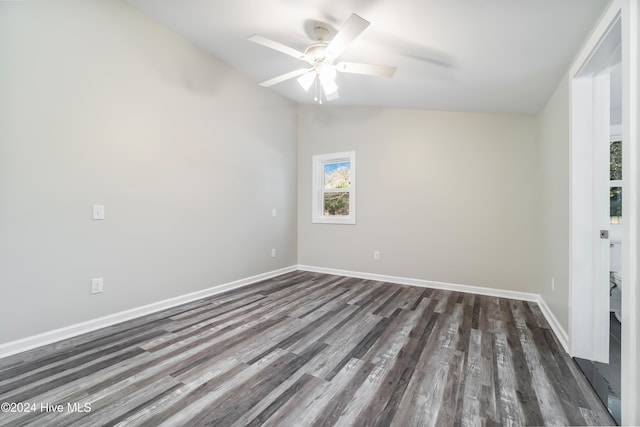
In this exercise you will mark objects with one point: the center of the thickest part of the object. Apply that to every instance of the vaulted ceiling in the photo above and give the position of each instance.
(456, 55)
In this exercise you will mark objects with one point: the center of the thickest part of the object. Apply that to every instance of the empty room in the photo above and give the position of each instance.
(352, 213)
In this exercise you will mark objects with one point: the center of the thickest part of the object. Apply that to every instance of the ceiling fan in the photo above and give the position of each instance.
(322, 56)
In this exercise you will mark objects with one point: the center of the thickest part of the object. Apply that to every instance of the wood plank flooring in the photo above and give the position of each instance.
(309, 349)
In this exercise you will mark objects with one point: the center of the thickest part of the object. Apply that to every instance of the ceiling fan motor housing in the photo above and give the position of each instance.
(315, 52)
(321, 33)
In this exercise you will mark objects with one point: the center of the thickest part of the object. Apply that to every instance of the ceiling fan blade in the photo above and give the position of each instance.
(367, 69)
(277, 46)
(351, 29)
(332, 96)
(283, 77)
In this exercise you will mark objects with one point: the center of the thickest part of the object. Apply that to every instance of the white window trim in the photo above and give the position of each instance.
(317, 212)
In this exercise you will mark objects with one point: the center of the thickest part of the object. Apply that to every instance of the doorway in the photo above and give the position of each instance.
(597, 234)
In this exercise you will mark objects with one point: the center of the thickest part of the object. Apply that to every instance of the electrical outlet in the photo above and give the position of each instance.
(98, 211)
(376, 255)
(273, 253)
(553, 284)
(274, 213)
(97, 285)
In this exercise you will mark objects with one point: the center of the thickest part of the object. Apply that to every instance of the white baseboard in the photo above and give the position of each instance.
(522, 296)
(557, 328)
(55, 335)
(49, 337)
(560, 333)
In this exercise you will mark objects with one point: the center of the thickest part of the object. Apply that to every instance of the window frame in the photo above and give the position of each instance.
(318, 190)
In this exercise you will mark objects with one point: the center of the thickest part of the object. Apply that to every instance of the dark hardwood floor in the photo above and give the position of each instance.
(309, 349)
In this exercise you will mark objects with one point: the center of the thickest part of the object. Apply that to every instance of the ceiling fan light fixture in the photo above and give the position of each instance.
(322, 57)
(329, 87)
(327, 76)
(326, 71)
(306, 80)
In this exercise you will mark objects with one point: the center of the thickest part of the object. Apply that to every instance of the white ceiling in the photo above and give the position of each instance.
(456, 55)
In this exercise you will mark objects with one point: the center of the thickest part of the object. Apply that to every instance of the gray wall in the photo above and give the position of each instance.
(99, 104)
(450, 197)
(633, 389)
(554, 122)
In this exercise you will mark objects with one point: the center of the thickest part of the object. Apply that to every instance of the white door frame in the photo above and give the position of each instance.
(582, 246)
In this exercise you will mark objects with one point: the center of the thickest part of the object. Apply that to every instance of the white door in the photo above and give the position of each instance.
(590, 157)
(602, 250)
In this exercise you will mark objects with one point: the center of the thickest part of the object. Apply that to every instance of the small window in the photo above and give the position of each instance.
(615, 182)
(334, 188)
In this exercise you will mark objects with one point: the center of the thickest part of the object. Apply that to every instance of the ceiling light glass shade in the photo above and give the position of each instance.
(306, 80)
(331, 96)
(327, 76)
(328, 85)
(326, 71)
